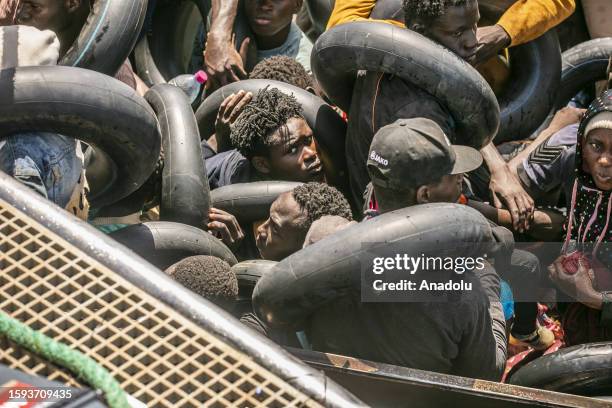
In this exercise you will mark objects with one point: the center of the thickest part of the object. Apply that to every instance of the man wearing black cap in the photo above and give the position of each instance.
(412, 162)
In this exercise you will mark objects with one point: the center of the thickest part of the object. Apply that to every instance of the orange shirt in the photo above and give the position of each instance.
(524, 21)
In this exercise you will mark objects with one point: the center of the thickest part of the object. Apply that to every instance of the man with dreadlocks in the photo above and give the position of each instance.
(272, 141)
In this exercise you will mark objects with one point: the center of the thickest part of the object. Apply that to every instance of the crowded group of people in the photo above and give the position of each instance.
(402, 149)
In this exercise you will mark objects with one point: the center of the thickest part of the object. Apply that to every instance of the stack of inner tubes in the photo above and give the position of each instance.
(161, 54)
(90, 106)
(523, 105)
(108, 36)
(185, 195)
(309, 279)
(347, 48)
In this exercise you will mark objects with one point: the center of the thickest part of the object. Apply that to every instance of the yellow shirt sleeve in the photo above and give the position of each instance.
(526, 20)
(355, 10)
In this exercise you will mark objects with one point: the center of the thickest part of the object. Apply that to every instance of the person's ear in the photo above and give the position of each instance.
(423, 195)
(261, 164)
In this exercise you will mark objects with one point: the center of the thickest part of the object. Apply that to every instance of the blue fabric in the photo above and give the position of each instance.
(507, 300)
(45, 162)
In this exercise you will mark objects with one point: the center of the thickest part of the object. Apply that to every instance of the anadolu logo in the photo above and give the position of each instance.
(378, 159)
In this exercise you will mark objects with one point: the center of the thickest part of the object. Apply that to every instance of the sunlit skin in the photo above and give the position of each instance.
(597, 157)
(456, 30)
(293, 157)
(280, 235)
(270, 20)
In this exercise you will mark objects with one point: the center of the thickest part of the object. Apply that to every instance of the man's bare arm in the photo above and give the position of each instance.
(222, 62)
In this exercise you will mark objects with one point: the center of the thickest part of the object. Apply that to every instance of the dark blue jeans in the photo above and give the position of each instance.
(45, 162)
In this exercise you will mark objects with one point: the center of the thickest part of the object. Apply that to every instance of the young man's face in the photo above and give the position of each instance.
(447, 190)
(43, 14)
(269, 17)
(456, 30)
(281, 236)
(597, 157)
(294, 158)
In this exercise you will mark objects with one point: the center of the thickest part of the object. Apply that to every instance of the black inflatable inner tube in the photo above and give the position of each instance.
(328, 269)
(583, 65)
(89, 106)
(108, 36)
(534, 72)
(165, 243)
(584, 370)
(340, 52)
(249, 202)
(100, 169)
(328, 127)
(160, 56)
(319, 12)
(534, 81)
(532, 88)
(248, 274)
(388, 10)
(185, 195)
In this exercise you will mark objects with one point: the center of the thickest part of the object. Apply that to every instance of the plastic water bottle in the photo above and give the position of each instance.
(190, 84)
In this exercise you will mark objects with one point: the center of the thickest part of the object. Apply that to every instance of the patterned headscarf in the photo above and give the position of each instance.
(589, 224)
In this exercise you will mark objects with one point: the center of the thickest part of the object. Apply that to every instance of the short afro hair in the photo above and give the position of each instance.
(268, 112)
(317, 200)
(428, 10)
(208, 276)
(284, 69)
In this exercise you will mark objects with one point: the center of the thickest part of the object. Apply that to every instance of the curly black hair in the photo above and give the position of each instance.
(319, 199)
(283, 68)
(268, 112)
(208, 276)
(428, 10)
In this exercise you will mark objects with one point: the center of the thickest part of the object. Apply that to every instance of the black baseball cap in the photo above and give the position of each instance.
(413, 152)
